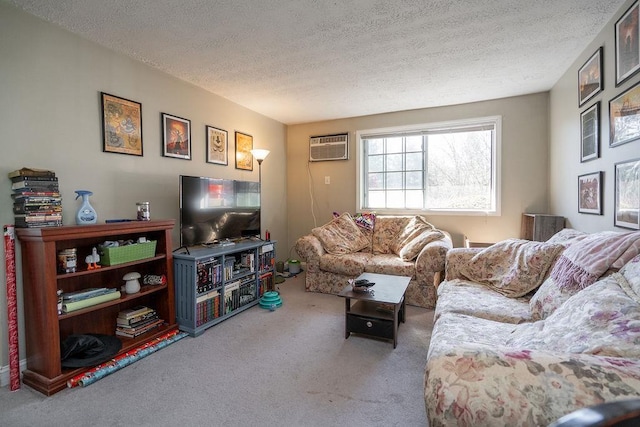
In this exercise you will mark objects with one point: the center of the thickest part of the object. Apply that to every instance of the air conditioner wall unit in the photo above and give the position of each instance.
(329, 147)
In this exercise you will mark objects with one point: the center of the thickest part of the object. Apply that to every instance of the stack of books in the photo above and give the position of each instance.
(36, 198)
(72, 301)
(137, 321)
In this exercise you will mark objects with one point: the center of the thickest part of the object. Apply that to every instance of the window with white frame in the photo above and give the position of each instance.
(448, 167)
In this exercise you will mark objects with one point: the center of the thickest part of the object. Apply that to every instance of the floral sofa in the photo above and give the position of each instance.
(527, 332)
(349, 245)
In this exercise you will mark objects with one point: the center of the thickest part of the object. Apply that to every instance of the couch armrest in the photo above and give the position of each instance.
(432, 259)
(477, 385)
(309, 249)
(456, 258)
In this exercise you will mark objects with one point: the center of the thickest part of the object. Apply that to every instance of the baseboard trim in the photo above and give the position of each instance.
(5, 373)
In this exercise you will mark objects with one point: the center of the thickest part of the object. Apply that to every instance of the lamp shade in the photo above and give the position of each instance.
(259, 154)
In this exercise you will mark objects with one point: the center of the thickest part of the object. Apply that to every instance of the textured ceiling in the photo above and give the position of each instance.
(308, 60)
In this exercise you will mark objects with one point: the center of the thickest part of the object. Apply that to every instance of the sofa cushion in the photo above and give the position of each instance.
(513, 267)
(390, 264)
(603, 319)
(341, 235)
(474, 299)
(348, 264)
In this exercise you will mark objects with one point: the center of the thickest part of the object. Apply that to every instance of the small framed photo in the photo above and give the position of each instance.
(176, 137)
(121, 125)
(590, 193)
(627, 189)
(590, 133)
(624, 117)
(590, 81)
(217, 145)
(627, 33)
(244, 145)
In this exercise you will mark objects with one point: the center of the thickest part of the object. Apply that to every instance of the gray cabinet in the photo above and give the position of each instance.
(213, 284)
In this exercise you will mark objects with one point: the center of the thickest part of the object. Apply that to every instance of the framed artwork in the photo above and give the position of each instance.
(176, 137)
(590, 80)
(217, 145)
(590, 193)
(244, 145)
(624, 117)
(121, 125)
(627, 33)
(627, 189)
(590, 133)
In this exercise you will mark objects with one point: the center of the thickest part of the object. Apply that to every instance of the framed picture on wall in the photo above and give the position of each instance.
(590, 193)
(217, 145)
(627, 35)
(590, 133)
(590, 81)
(244, 145)
(176, 137)
(624, 117)
(121, 125)
(627, 194)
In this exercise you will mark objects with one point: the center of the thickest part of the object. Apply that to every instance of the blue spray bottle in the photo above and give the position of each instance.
(86, 214)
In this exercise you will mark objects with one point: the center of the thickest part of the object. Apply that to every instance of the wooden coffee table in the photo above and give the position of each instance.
(376, 313)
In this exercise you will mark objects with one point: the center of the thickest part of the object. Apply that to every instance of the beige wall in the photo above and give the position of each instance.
(50, 84)
(524, 167)
(565, 165)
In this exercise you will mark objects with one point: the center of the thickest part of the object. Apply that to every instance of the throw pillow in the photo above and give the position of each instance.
(411, 250)
(602, 319)
(547, 299)
(513, 267)
(341, 235)
(414, 228)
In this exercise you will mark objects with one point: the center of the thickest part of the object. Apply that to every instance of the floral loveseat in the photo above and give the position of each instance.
(347, 246)
(527, 332)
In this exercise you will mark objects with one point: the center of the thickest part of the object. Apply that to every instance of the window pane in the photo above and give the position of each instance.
(394, 180)
(395, 199)
(394, 145)
(415, 199)
(414, 143)
(414, 161)
(376, 163)
(375, 146)
(394, 162)
(376, 199)
(414, 180)
(376, 181)
(459, 171)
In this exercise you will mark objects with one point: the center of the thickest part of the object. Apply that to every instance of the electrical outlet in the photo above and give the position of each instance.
(327, 180)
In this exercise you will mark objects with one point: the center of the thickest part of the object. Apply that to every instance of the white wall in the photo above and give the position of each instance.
(524, 167)
(50, 84)
(565, 165)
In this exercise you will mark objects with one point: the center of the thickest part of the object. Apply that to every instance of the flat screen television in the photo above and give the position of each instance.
(217, 210)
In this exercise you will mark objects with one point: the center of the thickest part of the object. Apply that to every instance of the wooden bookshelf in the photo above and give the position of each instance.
(46, 329)
(540, 227)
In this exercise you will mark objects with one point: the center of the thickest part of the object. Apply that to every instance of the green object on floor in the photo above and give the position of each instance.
(280, 279)
(270, 300)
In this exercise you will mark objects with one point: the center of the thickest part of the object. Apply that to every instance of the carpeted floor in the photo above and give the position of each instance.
(289, 367)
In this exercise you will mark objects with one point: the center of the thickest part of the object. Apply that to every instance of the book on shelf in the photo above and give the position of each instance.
(132, 326)
(231, 296)
(37, 208)
(31, 172)
(71, 306)
(86, 293)
(132, 333)
(137, 320)
(134, 311)
(36, 196)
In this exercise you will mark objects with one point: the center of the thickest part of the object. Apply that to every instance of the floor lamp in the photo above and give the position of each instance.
(260, 154)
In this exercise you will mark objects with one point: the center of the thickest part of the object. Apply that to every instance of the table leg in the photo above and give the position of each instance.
(347, 306)
(396, 314)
